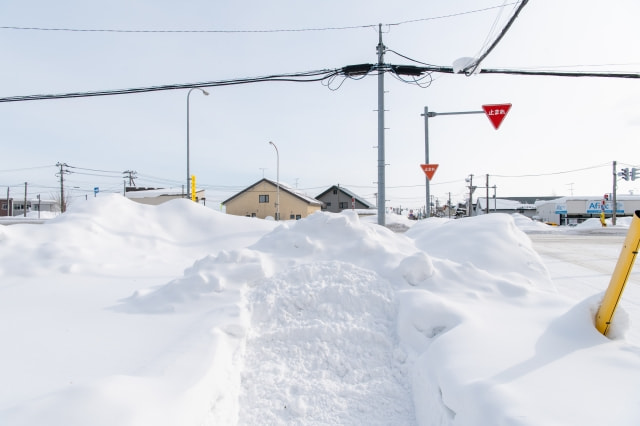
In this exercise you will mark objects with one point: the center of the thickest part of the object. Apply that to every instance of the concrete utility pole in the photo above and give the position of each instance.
(381, 157)
(471, 188)
(426, 159)
(487, 185)
(25, 199)
(63, 205)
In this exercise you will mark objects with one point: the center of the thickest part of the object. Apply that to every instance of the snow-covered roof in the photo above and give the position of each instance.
(503, 204)
(159, 192)
(283, 186)
(349, 193)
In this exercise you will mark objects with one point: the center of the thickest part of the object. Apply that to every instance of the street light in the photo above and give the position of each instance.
(188, 174)
(277, 181)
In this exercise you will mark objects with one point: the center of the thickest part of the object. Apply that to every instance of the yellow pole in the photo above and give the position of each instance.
(193, 187)
(620, 275)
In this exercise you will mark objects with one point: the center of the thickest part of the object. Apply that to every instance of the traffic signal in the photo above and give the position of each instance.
(624, 173)
(634, 174)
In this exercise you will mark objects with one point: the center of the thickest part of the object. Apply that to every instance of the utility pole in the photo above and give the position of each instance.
(63, 205)
(487, 185)
(426, 157)
(381, 157)
(25, 199)
(471, 188)
(131, 175)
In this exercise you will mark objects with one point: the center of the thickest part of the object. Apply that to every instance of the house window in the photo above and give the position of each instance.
(328, 203)
(263, 198)
(298, 217)
(335, 191)
(343, 205)
(291, 216)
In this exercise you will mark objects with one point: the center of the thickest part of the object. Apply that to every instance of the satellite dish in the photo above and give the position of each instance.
(461, 63)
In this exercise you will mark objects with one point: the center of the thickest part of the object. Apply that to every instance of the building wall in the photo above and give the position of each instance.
(574, 210)
(155, 199)
(332, 202)
(248, 203)
(6, 207)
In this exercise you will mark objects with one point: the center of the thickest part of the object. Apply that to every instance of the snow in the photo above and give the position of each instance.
(118, 313)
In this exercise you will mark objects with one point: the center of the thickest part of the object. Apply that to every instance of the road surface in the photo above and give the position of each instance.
(581, 265)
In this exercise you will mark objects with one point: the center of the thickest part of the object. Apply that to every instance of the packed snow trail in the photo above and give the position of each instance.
(321, 350)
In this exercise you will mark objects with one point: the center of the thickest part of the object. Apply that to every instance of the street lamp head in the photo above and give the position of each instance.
(205, 92)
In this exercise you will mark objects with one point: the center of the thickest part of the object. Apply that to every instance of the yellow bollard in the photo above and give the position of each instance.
(620, 276)
(193, 187)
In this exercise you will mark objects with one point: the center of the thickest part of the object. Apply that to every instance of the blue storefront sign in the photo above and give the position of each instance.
(596, 207)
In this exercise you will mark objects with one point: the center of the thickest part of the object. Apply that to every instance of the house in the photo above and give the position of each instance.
(42, 205)
(338, 198)
(155, 196)
(503, 205)
(266, 197)
(6, 207)
(16, 207)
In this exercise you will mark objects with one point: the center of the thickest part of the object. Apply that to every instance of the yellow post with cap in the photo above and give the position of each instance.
(193, 187)
(620, 276)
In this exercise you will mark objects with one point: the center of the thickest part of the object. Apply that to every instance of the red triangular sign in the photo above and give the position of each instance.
(429, 169)
(496, 113)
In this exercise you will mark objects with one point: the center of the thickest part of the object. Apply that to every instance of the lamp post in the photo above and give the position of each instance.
(204, 92)
(277, 181)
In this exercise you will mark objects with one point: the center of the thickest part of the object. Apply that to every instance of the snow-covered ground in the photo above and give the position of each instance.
(117, 313)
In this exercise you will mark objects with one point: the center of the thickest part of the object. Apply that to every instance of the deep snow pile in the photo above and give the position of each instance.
(178, 314)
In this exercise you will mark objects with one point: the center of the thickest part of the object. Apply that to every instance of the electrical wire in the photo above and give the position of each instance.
(553, 173)
(470, 69)
(26, 168)
(93, 170)
(300, 77)
(256, 31)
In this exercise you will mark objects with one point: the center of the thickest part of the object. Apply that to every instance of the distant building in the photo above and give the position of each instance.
(576, 209)
(260, 200)
(6, 207)
(155, 196)
(503, 205)
(337, 198)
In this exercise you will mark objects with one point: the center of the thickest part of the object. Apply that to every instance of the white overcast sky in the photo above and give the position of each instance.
(560, 137)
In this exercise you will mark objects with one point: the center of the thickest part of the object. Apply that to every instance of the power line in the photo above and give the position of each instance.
(553, 173)
(26, 168)
(93, 170)
(470, 69)
(299, 77)
(254, 31)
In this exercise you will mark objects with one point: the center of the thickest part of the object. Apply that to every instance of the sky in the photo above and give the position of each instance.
(179, 314)
(560, 137)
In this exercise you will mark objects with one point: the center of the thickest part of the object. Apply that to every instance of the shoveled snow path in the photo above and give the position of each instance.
(305, 361)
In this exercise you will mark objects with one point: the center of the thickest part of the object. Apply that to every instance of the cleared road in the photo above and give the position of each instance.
(581, 265)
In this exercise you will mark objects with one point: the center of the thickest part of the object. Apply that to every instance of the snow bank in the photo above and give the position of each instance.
(177, 314)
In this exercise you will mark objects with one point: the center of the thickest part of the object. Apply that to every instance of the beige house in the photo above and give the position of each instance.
(261, 200)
